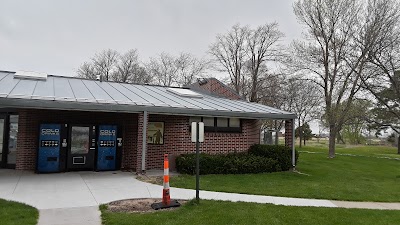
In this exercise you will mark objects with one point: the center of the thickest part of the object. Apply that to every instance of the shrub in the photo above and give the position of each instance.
(235, 163)
(282, 154)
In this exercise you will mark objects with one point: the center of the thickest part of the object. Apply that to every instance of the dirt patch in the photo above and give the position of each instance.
(138, 205)
(151, 179)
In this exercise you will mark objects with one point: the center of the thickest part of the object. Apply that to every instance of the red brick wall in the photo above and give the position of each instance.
(28, 129)
(140, 141)
(176, 136)
(177, 140)
(288, 133)
(215, 86)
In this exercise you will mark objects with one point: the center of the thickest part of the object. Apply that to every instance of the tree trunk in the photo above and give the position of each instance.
(398, 144)
(276, 133)
(300, 133)
(332, 141)
(304, 141)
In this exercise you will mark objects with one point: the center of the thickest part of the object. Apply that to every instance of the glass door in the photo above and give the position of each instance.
(81, 151)
(8, 140)
(12, 140)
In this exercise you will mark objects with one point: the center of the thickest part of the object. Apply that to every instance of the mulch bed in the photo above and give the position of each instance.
(142, 205)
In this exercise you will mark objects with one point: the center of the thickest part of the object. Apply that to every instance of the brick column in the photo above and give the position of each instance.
(27, 140)
(288, 133)
(129, 150)
(141, 123)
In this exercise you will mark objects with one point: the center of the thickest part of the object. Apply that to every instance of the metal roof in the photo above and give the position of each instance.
(71, 93)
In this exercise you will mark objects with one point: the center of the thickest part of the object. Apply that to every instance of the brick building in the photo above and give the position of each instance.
(54, 124)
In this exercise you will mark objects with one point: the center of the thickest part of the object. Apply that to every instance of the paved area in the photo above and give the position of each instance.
(70, 216)
(72, 198)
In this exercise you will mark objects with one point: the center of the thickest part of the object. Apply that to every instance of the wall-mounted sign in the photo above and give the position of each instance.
(155, 133)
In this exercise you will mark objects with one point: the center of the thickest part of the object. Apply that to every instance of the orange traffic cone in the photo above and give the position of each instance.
(166, 199)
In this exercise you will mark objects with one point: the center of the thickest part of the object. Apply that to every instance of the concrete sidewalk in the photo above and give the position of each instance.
(72, 198)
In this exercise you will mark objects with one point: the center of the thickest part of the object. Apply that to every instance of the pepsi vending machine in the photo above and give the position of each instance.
(107, 147)
(49, 148)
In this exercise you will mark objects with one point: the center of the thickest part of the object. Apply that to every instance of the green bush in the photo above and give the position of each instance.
(235, 163)
(282, 154)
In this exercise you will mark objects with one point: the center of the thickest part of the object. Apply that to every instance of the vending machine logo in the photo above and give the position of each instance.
(49, 131)
(107, 132)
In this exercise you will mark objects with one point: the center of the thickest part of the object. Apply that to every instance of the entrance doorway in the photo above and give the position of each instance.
(82, 148)
(8, 140)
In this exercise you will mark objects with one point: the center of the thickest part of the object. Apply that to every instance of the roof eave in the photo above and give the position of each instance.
(57, 105)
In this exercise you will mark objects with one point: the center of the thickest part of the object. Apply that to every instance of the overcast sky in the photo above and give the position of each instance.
(57, 36)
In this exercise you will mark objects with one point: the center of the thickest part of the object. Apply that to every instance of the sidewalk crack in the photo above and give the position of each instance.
(97, 203)
(15, 188)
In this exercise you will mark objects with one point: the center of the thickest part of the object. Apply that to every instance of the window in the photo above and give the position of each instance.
(234, 122)
(219, 124)
(194, 119)
(208, 121)
(222, 122)
(79, 140)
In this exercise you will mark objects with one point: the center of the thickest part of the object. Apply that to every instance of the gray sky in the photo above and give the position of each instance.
(57, 36)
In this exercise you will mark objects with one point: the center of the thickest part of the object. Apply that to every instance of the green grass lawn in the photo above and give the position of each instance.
(218, 212)
(13, 213)
(343, 178)
(372, 151)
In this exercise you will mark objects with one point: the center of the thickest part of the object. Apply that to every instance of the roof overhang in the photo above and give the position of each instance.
(121, 108)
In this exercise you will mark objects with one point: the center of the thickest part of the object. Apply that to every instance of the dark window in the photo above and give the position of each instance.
(219, 124)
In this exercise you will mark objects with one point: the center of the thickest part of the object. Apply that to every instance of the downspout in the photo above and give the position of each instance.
(144, 142)
(293, 148)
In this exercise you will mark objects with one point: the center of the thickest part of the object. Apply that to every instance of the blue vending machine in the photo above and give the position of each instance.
(107, 147)
(49, 148)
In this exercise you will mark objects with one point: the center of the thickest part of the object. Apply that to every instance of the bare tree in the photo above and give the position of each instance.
(163, 69)
(383, 77)
(276, 92)
(179, 70)
(306, 98)
(244, 53)
(261, 47)
(229, 50)
(189, 68)
(129, 69)
(86, 70)
(105, 63)
(116, 67)
(340, 35)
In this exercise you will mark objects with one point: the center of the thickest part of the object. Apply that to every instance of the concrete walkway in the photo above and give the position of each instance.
(72, 198)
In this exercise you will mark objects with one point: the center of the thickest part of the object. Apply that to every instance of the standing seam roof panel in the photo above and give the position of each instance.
(24, 89)
(262, 108)
(132, 96)
(253, 106)
(114, 93)
(210, 104)
(81, 92)
(63, 90)
(98, 93)
(144, 95)
(44, 89)
(244, 108)
(7, 84)
(184, 100)
(172, 97)
(2, 75)
(224, 104)
(150, 91)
